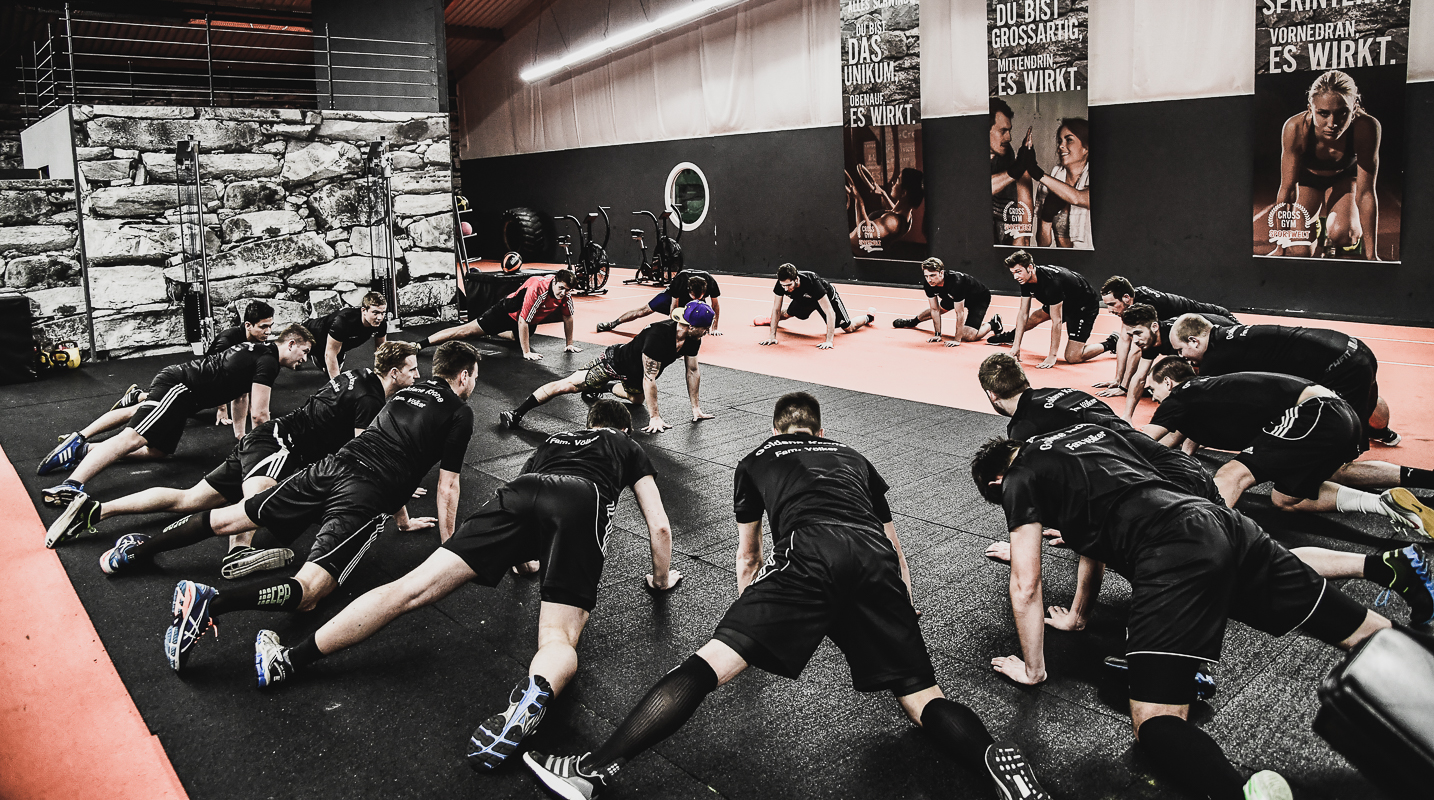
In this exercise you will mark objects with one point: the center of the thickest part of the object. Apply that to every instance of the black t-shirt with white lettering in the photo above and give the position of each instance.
(959, 287)
(658, 342)
(678, 287)
(1308, 353)
(1093, 486)
(607, 457)
(1227, 412)
(1169, 306)
(221, 377)
(1041, 411)
(345, 325)
(809, 285)
(1167, 349)
(422, 424)
(327, 420)
(799, 479)
(1060, 285)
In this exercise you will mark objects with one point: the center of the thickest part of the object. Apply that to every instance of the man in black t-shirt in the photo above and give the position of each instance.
(156, 424)
(339, 411)
(1332, 359)
(1289, 430)
(810, 292)
(836, 570)
(959, 293)
(1150, 337)
(258, 321)
(1066, 300)
(341, 331)
(1192, 565)
(557, 512)
(686, 286)
(632, 368)
(349, 494)
(1118, 295)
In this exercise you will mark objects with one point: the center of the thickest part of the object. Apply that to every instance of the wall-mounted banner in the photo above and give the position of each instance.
(1329, 128)
(881, 104)
(1040, 136)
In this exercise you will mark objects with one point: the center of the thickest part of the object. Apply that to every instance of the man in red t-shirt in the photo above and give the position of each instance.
(540, 299)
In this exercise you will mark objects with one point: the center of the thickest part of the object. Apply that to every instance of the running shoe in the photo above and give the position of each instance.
(510, 420)
(130, 397)
(243, 561)
(1403, 506)
(1205, 687)
(1015, 780)
(1110, 342)
(500, 735)
(566, 777)
(901, 322)
(1005, 337)
(1385, 436)
(1413, 580)
(871, 316)
(271, 659)
(121, 556)
(997, 327)
(79, 517)
(66, 455)
(62, 493)
(1267, 785)
(190, 607)
(604, 327)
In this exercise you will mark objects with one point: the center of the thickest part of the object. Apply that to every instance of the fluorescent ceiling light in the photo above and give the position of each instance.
(621, 39)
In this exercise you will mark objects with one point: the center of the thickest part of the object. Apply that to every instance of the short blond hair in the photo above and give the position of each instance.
(1190, 325)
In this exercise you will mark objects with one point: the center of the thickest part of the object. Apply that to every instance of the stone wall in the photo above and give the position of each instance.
(284, 214)
(40, 253)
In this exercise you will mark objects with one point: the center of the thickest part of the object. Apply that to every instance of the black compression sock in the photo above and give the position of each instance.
(1414, 478)
(192, 529)
(528, 405)
(305, 653)
(1189, 756)
(959, 730)
(259, 596)
(1376, 570)
(665, 708)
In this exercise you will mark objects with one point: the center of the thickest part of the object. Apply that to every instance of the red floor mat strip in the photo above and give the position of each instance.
(68, 728)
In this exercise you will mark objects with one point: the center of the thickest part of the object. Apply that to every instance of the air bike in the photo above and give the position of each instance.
(666, 259)
(590, 267)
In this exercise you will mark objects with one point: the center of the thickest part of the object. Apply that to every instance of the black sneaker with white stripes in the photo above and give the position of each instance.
(1015, 780)
(566, 777)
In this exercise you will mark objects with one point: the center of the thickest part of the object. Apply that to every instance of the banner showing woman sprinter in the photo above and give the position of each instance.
(1039, 133)
(1329, 128)
(881, 104)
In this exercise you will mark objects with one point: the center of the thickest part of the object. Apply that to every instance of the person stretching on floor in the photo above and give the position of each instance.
(810, 292)
(1117, 294)
(967, 298)
(686, 286)
(541, 298)
(1067, 301)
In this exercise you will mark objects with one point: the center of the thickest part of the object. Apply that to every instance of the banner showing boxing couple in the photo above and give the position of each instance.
(1038, 59)
(1329, 128)
(881, 127)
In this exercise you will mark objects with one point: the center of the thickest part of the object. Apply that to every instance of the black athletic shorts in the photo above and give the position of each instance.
(342, 495)
(1206, 564)
(1305, 446)
(802, 307)
(161, 418)
(496, 320)
(560, 521)
(601, 372)
(838, 582)
(1080, 322)
(1356, 379)
(263, 452)
(975, 315)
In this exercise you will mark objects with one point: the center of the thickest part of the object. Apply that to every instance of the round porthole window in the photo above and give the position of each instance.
(687, 189)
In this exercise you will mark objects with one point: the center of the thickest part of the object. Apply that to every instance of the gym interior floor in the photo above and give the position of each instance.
(390, 718)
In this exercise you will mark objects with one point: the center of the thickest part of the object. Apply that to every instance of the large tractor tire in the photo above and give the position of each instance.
(527, 233)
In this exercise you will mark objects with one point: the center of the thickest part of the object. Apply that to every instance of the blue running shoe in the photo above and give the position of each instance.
(271, 659)
(191, 621)
(66, 454)
(499, 736)
(121, 556)
(1413, 580)
(62, 493)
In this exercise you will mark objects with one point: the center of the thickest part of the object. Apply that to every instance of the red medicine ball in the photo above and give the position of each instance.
(512, 262)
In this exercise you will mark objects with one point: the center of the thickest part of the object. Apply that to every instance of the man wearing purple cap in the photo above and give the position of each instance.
(631, 369)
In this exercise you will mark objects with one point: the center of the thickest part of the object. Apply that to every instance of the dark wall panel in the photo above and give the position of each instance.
(410, 21)
(1172, 207)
